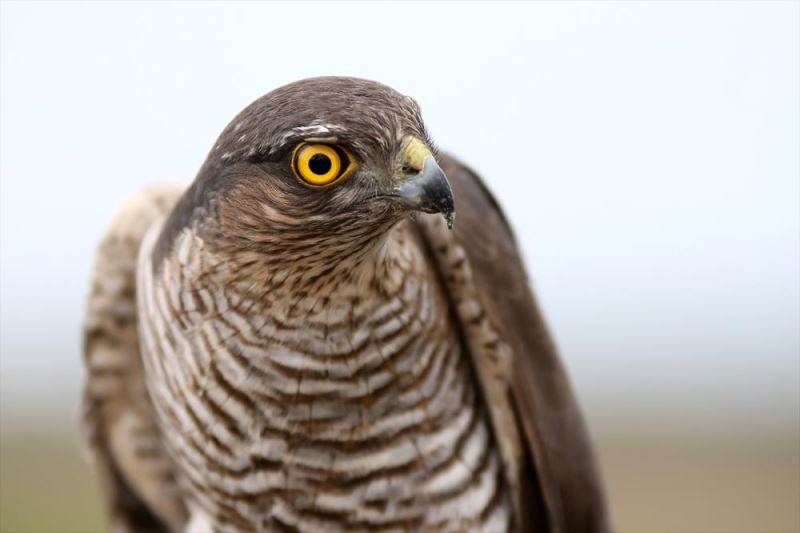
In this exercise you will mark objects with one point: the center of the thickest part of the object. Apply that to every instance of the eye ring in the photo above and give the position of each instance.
(319, 164)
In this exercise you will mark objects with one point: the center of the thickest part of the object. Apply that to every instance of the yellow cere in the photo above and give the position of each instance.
(415, 152)
(317, 164)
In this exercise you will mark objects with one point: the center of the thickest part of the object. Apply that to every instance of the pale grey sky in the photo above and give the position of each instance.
(646, 153)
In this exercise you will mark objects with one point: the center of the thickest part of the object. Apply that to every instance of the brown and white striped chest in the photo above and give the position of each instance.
(352, 407)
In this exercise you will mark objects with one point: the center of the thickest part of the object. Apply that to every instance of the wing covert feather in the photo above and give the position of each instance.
(123, 439)
(558, 472)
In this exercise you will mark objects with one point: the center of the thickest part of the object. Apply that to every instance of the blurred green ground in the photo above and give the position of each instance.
(45, 486)
(671, 485)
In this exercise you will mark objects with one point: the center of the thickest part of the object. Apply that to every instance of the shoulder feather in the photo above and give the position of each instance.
(124, 442)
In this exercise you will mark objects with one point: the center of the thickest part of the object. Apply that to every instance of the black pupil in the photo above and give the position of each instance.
(319, 164)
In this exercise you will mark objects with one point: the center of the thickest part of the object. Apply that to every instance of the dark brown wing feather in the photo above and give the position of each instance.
(562, 471)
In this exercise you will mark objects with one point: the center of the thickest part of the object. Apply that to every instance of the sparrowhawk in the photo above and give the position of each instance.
(300, 342)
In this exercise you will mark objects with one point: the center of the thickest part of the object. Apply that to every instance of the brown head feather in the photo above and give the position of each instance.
(249, 166)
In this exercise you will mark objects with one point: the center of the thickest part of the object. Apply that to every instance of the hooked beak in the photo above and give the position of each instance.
(427, 190)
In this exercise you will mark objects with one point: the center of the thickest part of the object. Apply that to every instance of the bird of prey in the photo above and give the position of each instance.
(330, 329)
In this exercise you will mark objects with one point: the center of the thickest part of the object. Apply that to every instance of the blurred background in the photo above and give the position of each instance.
(647, 154)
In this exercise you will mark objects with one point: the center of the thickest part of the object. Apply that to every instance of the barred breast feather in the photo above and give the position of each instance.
(357, 414)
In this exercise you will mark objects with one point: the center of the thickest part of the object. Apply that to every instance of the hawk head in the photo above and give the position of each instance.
(320, 164)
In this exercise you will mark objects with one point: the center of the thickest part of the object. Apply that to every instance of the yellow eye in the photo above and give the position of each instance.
(320, 164)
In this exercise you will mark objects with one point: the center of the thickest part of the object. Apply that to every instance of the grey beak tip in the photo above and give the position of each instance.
(450, 218)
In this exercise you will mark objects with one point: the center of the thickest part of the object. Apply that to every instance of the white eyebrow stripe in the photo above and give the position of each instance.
(315, 129)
